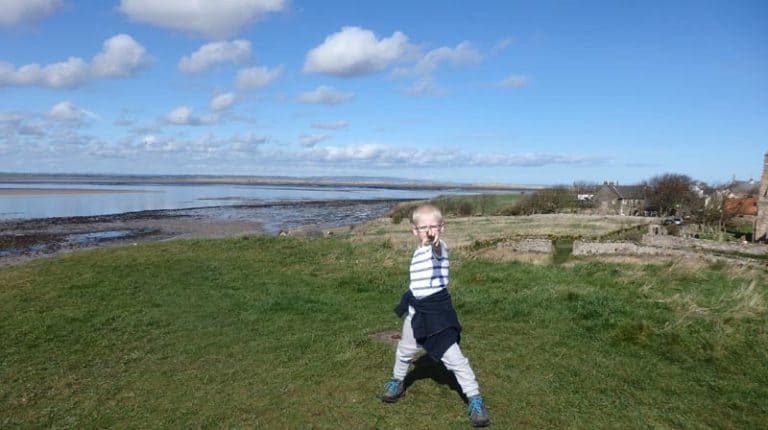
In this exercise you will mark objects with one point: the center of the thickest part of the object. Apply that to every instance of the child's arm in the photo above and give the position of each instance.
(437, 249)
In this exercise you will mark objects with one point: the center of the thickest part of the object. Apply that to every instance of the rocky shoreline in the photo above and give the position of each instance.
(22, 240)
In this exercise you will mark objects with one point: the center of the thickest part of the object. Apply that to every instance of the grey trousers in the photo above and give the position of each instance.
(453, 359)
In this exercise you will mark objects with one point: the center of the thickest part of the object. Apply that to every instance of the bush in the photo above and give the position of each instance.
(546, 201)
(402, 211)
(466, 209)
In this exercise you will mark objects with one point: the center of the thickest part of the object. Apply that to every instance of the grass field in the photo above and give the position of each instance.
(464, 231)
(259, 332)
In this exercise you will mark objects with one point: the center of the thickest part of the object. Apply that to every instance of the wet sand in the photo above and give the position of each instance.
(60, 191)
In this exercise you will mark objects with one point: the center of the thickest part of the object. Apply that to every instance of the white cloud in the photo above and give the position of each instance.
(310, 140)
(207, 55)
(37, 129)
(355, 51)
(363, 153)
(379, 155)
(10, 117)
(424, 69)
(67, 74)
(330, 125)
(514, 81)
(248, 143)
(121, 57)
(66, 111)
(209, 18)
(16, 12)
(324, 95)
(502, 44)
(256, 77)
(152, 143)
(463, 53)
(182, 115)
(425, 87)
(222, 101)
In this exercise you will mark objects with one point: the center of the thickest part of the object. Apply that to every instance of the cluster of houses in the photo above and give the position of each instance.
(744, 199)
(740, 197)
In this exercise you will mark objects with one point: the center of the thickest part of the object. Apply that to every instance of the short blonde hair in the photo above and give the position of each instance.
(423, 210)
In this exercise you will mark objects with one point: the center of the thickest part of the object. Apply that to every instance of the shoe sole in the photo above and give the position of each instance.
(391, 399)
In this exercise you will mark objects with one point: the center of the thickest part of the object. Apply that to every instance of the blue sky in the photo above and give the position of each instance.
(532, 92)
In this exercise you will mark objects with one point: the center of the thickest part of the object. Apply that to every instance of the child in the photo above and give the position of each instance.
(431, 322)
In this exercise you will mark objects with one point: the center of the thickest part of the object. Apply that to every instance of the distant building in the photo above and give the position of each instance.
(741, 206)
(620, 199)
(748, 188)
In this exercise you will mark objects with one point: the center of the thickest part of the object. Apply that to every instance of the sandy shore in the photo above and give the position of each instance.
(54, 191)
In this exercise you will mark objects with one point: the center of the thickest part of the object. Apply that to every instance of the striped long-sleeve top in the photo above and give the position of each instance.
(429, 270)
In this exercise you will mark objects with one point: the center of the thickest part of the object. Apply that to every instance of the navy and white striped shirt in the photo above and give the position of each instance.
(429, 272)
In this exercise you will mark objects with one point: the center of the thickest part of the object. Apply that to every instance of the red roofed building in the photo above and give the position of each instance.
(741, 206)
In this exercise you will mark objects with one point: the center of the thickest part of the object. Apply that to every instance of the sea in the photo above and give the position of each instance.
(221, 201)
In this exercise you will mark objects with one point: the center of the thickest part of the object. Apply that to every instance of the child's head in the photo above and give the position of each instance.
(427, 224)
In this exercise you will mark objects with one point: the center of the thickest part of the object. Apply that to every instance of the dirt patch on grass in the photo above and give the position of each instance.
(390, 337)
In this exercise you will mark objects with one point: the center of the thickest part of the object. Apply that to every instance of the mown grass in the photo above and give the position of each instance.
(262, 332)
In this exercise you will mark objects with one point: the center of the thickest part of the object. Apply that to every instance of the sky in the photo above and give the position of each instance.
(507, 92)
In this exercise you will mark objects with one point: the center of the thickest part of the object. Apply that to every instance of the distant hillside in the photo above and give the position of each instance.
(260, 180)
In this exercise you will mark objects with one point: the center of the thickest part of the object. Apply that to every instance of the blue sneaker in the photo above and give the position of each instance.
(478, 415)
(393, 389)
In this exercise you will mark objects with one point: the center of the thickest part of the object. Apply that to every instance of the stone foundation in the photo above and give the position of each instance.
(529, 245)
(673, 242)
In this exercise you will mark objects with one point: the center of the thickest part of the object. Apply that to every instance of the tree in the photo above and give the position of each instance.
(671, 193)
(545, 201)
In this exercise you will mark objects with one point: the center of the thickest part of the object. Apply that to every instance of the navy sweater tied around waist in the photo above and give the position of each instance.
(435, 324)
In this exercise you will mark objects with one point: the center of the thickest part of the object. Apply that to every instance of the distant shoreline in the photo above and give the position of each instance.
(32, 178)
(60, 191)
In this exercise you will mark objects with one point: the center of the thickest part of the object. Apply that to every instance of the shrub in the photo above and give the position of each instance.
(402, 211)
(466, 209)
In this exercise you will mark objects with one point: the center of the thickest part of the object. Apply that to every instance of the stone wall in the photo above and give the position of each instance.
(674, 242)
(529, 245)
(761, 223)
(581, 247)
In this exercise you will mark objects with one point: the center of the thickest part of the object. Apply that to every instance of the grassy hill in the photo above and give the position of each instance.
(259, 332)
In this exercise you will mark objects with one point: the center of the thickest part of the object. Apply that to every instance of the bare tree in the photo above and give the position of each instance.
(671, 193)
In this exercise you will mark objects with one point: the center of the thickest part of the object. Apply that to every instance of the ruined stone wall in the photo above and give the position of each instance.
(761, 223)
(581, 247)
(674, 242)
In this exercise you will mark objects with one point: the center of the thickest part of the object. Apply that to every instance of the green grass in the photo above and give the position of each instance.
(263, 332)
(563, 248)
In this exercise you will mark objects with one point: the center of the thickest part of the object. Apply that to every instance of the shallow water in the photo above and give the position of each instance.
(114, 199)
(43, 244)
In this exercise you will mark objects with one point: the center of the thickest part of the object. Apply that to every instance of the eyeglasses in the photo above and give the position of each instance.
(424, 228)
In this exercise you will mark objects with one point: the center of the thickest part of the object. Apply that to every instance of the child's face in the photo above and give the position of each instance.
(428, 228)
